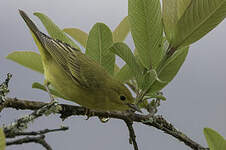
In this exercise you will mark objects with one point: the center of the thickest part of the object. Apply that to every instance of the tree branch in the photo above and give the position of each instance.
(68, 110)
(21, 124)
(160, 123)
(21, 104)
(35, 133)
(4, 90)
(40, 140)
(132, 139)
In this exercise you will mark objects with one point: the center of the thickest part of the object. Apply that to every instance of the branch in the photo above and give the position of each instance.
(160, 123)
(68, 110)
(35, 133)
(4, 90)
(40, 140)
(21, 104)
(132, 139)
(21, 124)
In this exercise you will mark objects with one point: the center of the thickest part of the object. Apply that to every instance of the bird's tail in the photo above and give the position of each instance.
(30, 24)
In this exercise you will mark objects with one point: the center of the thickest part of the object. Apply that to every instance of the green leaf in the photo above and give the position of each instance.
(27, 59)
(172, 12)
(98, 44)
(123, 51)
(121, 31)
(200, 17)
(170, 68)
(78, 35)
(149, 78)
(54, 31)
(147, 30)
(124, 74)
(39, 86)
(215, 140)
(155, 95)
(2, 140)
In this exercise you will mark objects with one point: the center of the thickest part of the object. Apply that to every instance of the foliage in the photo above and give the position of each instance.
(53, 30)
(191, 20)
(214, 140)
(146, 28)
(29, 59)
(98, 44)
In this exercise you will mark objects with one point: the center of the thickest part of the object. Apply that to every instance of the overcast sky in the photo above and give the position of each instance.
(196, 98)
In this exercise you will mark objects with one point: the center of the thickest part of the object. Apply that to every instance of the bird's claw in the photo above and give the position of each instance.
(88, 113)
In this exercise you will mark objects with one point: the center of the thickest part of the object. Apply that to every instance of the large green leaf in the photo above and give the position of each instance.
(146, 27)
(77, 34)
(39, 86)
(200, 17)
(121, 31)
(170, 68)
(124, 74)
(53, 30)
(119, 34)
(2, 140)
(98, 44)
(123, 51)
(214, 140)
(172, 12)
(28, 59)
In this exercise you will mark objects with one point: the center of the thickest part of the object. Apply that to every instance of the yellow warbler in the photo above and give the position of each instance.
(79, 78)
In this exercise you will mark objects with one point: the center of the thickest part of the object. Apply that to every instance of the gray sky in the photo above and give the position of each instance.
(196, 98)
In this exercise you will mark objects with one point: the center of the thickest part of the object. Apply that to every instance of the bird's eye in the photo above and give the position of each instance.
(122, 97)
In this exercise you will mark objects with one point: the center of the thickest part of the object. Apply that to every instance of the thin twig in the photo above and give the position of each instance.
(34, 133)
(40, 140)
(22, 104)
(162, 124)
(155, 121)
(21, 123)
(132, 134)
(4, 90)
(152, 108)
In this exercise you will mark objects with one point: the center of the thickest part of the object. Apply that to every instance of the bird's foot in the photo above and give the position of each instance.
(88, 113)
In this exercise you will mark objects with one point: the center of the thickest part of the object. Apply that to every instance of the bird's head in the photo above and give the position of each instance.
(121, 97)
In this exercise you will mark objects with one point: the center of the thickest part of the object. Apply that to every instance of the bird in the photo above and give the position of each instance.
(78, 77)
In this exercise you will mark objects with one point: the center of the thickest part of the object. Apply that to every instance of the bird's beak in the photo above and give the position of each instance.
(134, 107)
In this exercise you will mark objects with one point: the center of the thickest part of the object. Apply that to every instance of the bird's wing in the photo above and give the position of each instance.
(86, 70)
(61, 52)
(83, 70)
